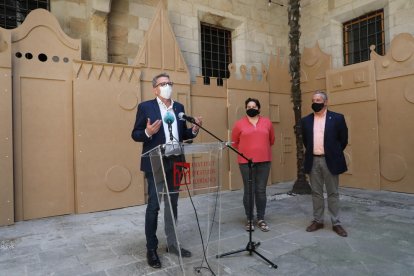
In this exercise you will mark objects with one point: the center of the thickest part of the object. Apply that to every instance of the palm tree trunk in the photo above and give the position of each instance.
(301, 185)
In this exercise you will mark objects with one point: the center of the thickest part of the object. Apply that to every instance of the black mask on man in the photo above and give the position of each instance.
(252, 112)
(317, 106)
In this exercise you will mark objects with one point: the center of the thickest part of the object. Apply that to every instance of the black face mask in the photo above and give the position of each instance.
(317, 106)
(252, 112)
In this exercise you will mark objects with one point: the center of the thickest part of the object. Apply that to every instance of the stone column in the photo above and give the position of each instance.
(99, 30)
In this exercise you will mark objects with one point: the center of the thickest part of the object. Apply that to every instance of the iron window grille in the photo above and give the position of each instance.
(13, 12)
(215, 53)
(362, 32)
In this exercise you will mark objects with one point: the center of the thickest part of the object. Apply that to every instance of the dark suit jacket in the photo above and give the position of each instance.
(335, 141)
(150, 109)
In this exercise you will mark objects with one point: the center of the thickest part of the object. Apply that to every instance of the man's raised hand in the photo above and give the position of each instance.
(153, 128)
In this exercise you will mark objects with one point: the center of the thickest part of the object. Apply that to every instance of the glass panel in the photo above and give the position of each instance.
(189, 174)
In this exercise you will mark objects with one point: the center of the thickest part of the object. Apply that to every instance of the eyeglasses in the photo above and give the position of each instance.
(162, 84)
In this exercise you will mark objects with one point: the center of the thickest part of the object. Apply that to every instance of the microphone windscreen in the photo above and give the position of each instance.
(169, 118)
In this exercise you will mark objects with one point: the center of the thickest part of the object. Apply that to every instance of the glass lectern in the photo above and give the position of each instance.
(189, 174)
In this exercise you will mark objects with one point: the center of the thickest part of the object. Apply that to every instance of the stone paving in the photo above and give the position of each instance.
(380, 242)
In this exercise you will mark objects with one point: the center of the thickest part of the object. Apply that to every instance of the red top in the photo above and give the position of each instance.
(253, 141)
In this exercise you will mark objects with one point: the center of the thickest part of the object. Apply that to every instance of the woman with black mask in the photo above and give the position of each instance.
(253, 135)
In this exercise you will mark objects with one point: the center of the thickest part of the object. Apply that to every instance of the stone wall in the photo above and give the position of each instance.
(321, 21)
(73, 17)
(258, 29)
(129, 21)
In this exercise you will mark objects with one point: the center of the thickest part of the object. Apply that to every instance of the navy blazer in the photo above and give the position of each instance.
(335, 141)
(150, 109)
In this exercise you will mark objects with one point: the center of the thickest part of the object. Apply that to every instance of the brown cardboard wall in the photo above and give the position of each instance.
(42, 117)
(6, 131)
(106, 158)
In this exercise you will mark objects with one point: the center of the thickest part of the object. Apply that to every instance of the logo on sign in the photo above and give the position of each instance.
(182, 174)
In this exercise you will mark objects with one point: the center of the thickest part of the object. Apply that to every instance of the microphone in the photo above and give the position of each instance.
(182, 116)
(169, 119)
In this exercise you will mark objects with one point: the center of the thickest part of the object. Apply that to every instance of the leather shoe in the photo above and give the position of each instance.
(184, 252)
(153, 259)
(314, 226)
(339, 230)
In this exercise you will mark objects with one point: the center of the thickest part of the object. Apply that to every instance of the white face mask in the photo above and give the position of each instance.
(166, 91)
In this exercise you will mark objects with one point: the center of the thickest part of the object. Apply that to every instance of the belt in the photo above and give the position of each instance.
(319, 155)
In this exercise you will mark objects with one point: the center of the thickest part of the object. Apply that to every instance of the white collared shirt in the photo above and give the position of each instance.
(164, 109)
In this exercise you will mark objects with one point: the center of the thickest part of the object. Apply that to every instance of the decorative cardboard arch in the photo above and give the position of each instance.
(160, 49)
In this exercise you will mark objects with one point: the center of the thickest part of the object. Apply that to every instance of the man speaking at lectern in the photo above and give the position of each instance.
(156, 123)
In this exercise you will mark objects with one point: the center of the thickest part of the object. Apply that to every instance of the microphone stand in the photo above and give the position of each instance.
(170, 130)
(251, 245)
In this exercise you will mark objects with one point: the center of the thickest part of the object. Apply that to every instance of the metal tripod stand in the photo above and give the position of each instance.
(251, 245)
